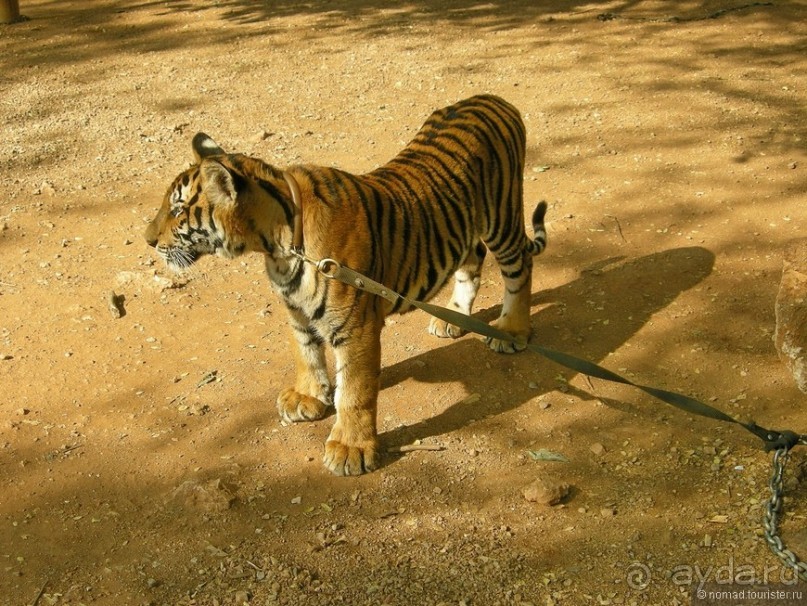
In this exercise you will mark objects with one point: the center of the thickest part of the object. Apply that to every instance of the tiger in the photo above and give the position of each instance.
(451, 195)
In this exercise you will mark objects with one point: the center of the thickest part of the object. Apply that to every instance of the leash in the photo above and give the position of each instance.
(781, 442)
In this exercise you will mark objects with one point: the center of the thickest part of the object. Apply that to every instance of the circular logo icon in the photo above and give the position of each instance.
(638, 576)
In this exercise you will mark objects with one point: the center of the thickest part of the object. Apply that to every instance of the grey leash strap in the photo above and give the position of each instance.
(778, 441)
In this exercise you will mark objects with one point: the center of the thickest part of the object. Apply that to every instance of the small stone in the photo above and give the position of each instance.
(242, 597)
(115, 304)
(208, 497)
(198, 410)
(543, 404)
(608, 512)
(6, 357)
(152, 583)
(23, 411)
(792, 166)
(296, 500)
(597, 448)
(546, 492)
(707, 540)
(472, 399)
(533, 385)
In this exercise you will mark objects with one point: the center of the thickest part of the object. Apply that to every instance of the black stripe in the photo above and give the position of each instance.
(267, 246)
(210, 219)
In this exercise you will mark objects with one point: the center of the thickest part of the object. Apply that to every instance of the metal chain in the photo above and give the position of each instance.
(773, 510)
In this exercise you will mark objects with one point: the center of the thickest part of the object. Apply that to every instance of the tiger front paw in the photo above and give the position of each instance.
(442, 329)
(345, 457)
(293, 406)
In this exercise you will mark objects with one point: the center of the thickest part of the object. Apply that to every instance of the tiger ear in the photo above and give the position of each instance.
(203, 147)
(218, 183)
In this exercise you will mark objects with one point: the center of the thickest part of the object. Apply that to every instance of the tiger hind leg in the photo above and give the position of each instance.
(515, 262)
(466, 286)
(515, 315)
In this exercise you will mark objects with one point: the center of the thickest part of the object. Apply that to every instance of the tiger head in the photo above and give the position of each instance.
(200, 212)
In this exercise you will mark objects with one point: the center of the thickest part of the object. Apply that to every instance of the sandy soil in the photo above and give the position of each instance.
(141, 458)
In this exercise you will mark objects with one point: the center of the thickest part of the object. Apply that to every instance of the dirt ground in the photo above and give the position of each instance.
(141, 457)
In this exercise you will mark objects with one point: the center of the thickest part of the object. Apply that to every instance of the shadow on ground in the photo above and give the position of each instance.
(632, 290)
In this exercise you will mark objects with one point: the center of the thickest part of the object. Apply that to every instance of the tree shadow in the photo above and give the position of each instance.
(592, 317)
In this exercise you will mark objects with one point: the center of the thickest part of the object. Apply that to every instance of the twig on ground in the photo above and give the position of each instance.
(40, 594)
(414, 447)
(618, 226)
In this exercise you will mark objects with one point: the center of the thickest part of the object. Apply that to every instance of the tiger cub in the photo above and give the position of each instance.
(433, 211)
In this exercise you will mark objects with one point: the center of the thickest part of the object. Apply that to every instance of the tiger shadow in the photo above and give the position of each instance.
(590, 317)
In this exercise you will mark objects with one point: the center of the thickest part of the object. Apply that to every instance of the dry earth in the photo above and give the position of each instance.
(670, 143)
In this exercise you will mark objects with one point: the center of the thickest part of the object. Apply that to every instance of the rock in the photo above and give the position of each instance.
(115, 304)
(597, 448)
(546, 492)
(791, 313)
(208, 497)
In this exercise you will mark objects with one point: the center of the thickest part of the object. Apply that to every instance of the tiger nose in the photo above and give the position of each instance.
(151, 235)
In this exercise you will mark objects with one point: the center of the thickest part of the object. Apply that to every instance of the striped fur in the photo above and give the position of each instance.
(453, 194)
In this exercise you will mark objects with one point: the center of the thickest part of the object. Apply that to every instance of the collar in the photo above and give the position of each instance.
(297, 199)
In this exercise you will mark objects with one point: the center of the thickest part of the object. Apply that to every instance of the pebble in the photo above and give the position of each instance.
(472, 399)
(607, 512)
(543, 404)
(115, 304)
(242, 597)
(597, 448)
(546, 492)
(208, 497)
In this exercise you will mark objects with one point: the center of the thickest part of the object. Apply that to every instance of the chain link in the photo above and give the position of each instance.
(773, 510)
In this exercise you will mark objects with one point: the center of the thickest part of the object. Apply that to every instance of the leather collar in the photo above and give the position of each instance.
(297, 238)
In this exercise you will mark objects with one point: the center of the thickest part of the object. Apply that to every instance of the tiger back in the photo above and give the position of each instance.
(454, 193)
